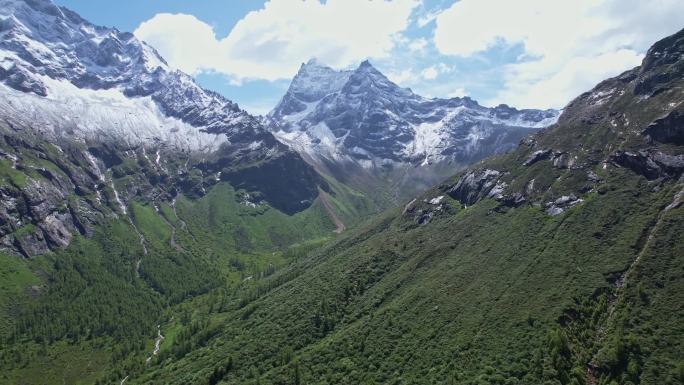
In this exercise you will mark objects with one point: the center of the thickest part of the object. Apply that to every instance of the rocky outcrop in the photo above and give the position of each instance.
(41, 209)
(562, 160)
(423, 212)
(668, 129)
(663, 64)
(537, 156)
(561, 204)
(650, 164)
(513, 200)
(476, 185)
(20, 79)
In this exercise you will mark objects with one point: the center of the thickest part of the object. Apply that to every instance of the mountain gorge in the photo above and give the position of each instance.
(152, 232)
(118, 175)
(557, 263)
(363, 129)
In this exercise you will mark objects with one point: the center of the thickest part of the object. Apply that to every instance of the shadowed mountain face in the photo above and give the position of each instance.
(358, 122)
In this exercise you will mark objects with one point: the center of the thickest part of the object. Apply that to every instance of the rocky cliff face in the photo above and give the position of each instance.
(359, 120)
(91, 117)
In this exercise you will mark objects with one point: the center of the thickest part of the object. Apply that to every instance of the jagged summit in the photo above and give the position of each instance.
(313, 82)
(362, 118)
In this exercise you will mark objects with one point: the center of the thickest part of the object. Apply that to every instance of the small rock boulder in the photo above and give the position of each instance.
(537, 156)
(561, 204)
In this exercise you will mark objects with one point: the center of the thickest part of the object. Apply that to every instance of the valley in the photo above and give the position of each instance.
(153, 232)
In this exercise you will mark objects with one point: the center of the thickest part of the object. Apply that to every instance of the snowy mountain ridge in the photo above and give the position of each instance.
(360, 116)
(70, 78)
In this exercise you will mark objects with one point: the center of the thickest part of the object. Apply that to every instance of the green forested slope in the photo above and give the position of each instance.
(96, 303)
(559, 263)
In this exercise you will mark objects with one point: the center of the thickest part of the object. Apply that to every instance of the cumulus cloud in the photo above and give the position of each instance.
(271, 43)
(567, 45)
(433, 71)
(430, 73)
(458, 93)
(401, 77)
(418, 45)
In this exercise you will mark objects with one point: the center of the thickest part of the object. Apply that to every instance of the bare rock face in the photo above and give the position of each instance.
(537, 156)
(668, 129)
(474, 186)
(651, 164)
(30, 243)
(422, 212)
(20, 79)
(58, 229)
(661, 66)
(561, 204)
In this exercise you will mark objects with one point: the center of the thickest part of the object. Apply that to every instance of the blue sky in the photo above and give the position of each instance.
(526, 53)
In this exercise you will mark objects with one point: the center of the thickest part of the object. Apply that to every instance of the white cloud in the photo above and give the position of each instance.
(430, 73)
(458, 93)
(271, 43)
(418, 45)
(529, 84)
(568, 45)
(401, 77)
(433, 71)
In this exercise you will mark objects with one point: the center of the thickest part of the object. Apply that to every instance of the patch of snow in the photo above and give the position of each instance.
(436, 200)
(600, 97)
(84, 114)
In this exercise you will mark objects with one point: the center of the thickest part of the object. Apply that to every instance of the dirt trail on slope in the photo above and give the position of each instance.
(325, 199)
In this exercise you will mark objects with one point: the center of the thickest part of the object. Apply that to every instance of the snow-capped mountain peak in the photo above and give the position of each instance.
(361, 117)
(313, 82)
(54, 64)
